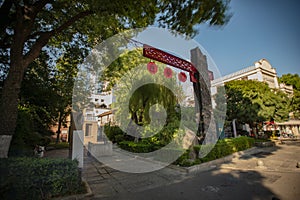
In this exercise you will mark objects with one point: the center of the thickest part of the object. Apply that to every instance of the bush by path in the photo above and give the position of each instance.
(222, 148)
(39, 178)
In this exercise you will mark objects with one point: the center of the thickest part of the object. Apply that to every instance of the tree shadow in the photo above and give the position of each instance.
(212, 185)
(261, 152)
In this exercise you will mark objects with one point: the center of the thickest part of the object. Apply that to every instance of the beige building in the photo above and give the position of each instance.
(261, 71)
(106, 117)
(90, 127)
(288, 89)
(290, 127)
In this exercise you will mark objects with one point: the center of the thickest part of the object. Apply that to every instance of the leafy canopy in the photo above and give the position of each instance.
(252, 101)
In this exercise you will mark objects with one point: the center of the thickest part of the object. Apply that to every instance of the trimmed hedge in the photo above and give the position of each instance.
(138, 147)
(113, 132)
(222, 148)
(36, 178)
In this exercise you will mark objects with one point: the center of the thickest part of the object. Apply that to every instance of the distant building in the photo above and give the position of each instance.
(264, 72)
(64, 130)
(100, 105)
(261, 71)
(288, 89)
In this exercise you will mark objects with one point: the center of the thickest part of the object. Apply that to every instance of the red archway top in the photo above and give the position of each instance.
(169, 59)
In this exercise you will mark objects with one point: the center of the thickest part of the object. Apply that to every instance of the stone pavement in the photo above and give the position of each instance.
(282, 158)
(107, 182)
(239, 178)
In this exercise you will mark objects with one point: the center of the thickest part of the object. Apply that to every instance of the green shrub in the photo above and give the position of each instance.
(221, 149)
(119, 138)
(113, 132)
(138, 147)
(26, 136)
(35, 178)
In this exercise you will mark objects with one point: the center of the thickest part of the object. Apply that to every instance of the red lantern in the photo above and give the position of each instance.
(182, 76)
(152, 67)
(168, 72)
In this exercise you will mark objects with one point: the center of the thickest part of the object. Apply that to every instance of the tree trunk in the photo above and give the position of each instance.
(70, 135)
(9, 105)
(58, 128)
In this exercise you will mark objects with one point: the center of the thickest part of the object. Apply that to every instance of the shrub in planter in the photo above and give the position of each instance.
(221, 149)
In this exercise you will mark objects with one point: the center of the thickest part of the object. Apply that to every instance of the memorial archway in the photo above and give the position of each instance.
(179, 63)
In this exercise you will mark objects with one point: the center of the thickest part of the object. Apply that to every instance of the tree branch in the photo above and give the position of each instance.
(71, 21)
(4, 14)
(45, 36)
(39, 5)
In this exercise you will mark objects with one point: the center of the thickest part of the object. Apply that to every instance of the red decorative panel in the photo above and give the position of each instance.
(169, 59)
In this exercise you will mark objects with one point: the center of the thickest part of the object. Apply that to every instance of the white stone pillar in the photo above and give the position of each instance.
(77, 147)
(4, 145)
(234, 128)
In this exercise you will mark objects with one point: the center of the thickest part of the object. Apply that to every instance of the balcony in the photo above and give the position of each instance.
(90, 118)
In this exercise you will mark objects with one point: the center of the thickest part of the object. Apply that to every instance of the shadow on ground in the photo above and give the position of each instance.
(211, 185)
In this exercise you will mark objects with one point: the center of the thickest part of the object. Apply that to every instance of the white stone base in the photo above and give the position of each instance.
(4, 145)
(77, 148)
(100, 149)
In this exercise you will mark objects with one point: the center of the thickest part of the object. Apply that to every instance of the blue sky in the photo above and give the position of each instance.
(258, 29)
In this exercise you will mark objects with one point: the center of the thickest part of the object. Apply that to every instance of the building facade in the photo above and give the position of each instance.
(100, 105)
(261, 71)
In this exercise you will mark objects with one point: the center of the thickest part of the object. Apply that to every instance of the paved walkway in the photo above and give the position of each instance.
(240, 178)
(282, 158)
(107, 182)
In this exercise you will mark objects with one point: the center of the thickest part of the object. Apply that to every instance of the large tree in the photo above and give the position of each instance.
(28, 27)
(252, 101)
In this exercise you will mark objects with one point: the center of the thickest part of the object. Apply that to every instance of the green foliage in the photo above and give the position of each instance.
(33, 178)
(38, 101)
(113, 133)
(50, 101)
(222, 148)
(295, 104)
(131, 87)
(252, 101)
(26, 136)
(138, 147)
(291, 79)
(148, 144)
(294, 80)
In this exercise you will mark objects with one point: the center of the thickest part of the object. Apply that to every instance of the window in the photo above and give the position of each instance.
(88, 129)
(103, 106)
